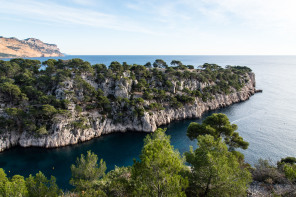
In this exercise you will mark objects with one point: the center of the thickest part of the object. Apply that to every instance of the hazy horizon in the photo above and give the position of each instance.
(135, 27)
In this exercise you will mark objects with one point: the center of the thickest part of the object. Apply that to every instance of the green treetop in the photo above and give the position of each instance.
(39, 185)
(16, 186)
(33, 186)
(218, 125)
(288, 166)
(159, 63)
(158, 173)
(86, 173)
(215, 171)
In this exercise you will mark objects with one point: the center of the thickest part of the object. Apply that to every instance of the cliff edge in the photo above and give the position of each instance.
(71, 101)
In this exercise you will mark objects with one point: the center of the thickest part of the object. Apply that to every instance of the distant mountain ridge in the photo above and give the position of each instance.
(30, 47)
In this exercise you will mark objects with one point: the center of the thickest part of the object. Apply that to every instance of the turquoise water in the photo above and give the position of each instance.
(267, 121)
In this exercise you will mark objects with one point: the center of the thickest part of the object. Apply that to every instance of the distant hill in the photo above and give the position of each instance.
(30, 47)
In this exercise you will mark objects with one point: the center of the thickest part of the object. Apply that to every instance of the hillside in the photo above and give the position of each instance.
(31, 47)
(72, 101)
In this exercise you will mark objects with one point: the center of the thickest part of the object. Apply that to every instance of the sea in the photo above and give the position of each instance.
(267, 121)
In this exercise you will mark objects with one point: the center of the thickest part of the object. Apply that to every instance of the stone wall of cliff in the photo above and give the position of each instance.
(96, 124)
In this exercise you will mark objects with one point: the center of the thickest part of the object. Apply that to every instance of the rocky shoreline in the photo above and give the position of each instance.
(97, 124)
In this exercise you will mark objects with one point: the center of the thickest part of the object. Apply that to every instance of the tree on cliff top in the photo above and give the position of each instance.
(218, 125)
(159, 63)
(12, 91)
(116, 67)
(176, 63)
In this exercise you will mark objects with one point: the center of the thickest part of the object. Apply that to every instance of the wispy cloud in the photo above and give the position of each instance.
(84, 2)
(253, 13)
(161, 25)
(52, 12)
(167, 14)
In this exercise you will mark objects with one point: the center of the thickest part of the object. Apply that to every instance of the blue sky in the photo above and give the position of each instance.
(152, 27)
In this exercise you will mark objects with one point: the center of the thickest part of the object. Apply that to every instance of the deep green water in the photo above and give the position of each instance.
(267, 121)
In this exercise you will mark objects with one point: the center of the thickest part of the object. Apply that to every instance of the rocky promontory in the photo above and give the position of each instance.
(30, 47)
(71, 101)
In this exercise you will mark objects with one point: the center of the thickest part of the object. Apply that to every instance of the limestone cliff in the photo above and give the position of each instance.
(84, 123)
(31, 47)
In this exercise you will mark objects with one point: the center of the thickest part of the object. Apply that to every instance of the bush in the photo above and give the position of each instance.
(42, 131)
(78, 108)
(288, 166)
(185, 99)
(265, 172)
(138, 112)
(168, 84)
(91, 106)
(155, 106)
(80, 124)
(175, 103)
(147, 95)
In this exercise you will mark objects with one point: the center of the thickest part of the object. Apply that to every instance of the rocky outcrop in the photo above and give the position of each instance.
(96, 124)
(31, 47)
(260, 189)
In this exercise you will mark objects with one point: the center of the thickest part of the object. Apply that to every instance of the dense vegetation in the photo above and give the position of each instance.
(214, 170)
(35, 95)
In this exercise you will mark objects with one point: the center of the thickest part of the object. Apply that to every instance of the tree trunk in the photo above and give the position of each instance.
(158, 191)
(208, 185)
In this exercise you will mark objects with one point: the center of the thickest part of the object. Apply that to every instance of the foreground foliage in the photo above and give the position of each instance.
(276, 180)
(33, 186)
(215, 170)
(87, 172)
(158, 173)
(218, 126)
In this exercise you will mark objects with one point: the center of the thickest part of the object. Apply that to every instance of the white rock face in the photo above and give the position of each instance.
(64, 134)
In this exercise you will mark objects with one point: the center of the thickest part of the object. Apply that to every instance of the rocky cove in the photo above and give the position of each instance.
(131, 108)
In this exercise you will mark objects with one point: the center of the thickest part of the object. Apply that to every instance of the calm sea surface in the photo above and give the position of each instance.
(267, 121)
